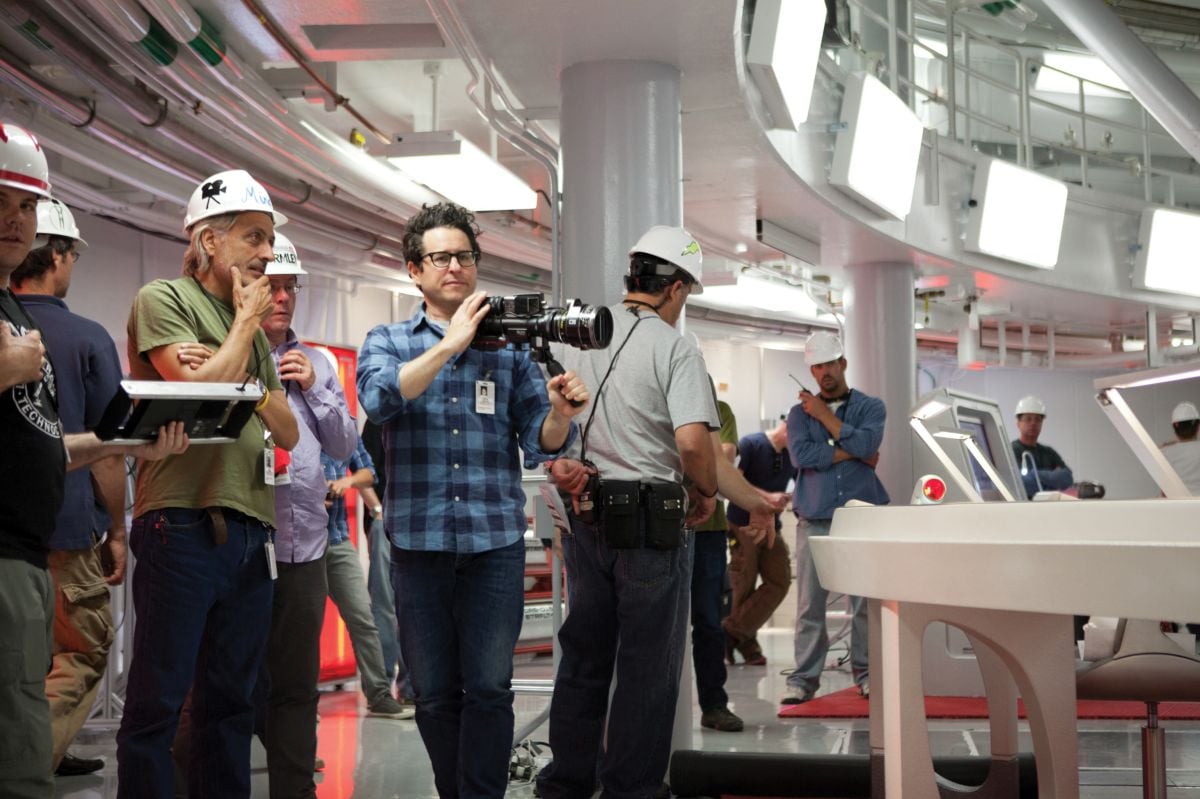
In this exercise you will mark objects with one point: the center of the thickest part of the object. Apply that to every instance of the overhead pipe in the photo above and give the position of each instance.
(451, 23)
(71, 14)
(89, 69)
(145, 168)
(83, 117)
(287, 189)
(288, 151)
(302, 61)
(359, 174)
(185, 24)
(1155, 86)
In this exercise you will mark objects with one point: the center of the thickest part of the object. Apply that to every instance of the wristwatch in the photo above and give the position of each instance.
(377, 511)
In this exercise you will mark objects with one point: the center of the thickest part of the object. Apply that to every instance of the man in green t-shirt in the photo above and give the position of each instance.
(708, 584)
(203, 520)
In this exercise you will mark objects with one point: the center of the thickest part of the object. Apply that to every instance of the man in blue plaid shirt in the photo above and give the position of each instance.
(453, 418)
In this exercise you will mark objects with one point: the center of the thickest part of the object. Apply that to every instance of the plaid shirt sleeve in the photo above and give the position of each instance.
(378, 377)
(530, 406)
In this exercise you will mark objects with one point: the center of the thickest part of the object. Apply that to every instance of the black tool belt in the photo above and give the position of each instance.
(634, 515)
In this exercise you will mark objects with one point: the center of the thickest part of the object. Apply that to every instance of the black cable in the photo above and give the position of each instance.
(604, 381)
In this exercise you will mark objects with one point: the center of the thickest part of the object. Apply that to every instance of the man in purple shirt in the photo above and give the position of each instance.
(293, 662)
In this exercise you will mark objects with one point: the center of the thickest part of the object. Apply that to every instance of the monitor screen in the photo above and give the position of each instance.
(983, 484)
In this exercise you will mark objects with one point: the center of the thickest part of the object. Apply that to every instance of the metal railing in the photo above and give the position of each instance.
(970, 70)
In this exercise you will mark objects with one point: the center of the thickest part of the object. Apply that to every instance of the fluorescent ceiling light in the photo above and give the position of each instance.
(785, 43)
(1018, 214)
(758, 294)
(876, 155)
(1165, 261)
(788, 242)
(1099, 79)
(459, 171)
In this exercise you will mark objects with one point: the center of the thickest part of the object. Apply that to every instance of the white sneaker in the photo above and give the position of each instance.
(797, 696)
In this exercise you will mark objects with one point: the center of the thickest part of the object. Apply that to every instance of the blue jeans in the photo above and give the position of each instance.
(637, 599)
(708, 637)
(462, 616)
(812, 637)
(203, 612)
(383, 607)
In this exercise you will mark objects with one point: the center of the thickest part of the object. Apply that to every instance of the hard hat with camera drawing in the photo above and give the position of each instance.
(286, 262)
(822, 347)
(676, 247)
(229, 192)
(1031, 404)
(56, 219)
(1185, 412)
(22, 162)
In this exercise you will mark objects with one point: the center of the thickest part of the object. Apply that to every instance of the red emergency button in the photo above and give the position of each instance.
(933, 488)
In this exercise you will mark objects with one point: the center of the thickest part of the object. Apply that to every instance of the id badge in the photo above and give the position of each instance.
(485, 396)
(269, 464)
(272, 569)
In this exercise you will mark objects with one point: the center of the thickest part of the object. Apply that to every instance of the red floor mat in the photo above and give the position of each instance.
(847, 704)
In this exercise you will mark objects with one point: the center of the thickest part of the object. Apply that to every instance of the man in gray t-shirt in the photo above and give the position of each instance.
(650, 425)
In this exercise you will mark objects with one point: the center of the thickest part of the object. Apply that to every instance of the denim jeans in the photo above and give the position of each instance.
(203, 614)
(462, 615)
(348, 590)
(812, 637)
(383, 607)
(628, 609)
(708, 638)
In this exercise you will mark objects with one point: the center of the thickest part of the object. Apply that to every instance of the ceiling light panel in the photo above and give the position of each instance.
(785, 43)
(1018, 214)
(876, 155)
(459, 171)
(1166, 261)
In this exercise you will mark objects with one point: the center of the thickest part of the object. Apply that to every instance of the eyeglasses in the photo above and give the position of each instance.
(441, 259)
(291, 290)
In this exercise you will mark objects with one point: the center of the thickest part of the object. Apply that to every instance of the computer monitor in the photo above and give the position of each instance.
(970, 423)
(951, 417)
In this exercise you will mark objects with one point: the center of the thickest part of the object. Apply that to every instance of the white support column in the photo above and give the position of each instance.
(881, 358)
(622, 157)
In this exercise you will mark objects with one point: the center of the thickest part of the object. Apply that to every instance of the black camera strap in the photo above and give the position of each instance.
(604, 381)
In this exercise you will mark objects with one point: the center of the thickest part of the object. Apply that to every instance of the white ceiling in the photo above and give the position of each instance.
(733, 176)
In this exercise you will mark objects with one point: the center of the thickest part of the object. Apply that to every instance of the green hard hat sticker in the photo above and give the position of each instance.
(691, 249)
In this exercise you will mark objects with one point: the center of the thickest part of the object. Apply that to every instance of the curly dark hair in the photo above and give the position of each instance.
(39, 261)
(435, 216)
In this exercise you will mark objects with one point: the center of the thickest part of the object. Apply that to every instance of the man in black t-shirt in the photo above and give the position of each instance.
(33, 465)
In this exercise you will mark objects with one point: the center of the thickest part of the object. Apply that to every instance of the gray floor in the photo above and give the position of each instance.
(382, 759)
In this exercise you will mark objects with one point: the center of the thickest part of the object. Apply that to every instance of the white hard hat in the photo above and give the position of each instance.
(822, 347)
(676, 246)
(286, 261)
(22, 162)
(229, 192)
(1031, 404)
(1185, 412)
(56, 219)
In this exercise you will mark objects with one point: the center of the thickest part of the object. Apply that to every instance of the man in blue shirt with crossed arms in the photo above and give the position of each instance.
(833, 438)
(452, 418)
